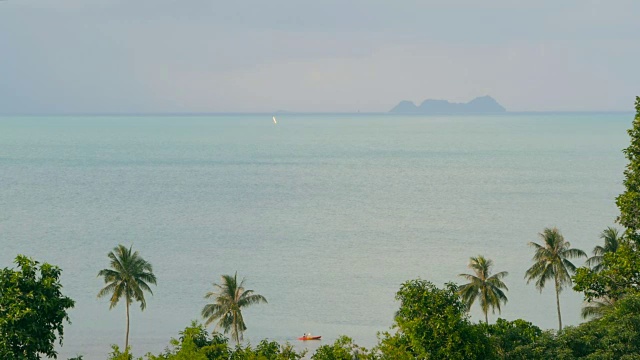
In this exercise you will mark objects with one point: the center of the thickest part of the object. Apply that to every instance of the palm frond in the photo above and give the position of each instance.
(595, 260)
(535, 245)
(545, 273)
(470, 277)
(107, 289)
(566, 267)
(596, 308)
(573, 253)
(126, 277)
(252, 299)
(598, 250)
(118, 291)
(144, 286)
(108, 275)
(500, 275)
(147, 277)
(211, 312)
(612, 240)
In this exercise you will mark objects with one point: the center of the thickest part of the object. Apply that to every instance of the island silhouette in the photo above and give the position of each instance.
(479, 105)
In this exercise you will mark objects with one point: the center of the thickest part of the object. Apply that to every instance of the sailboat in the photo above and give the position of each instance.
(274, 120)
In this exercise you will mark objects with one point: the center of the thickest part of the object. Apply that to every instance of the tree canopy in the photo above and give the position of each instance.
(433, 323)
(619, 270)
(629, 201)
(32, 310)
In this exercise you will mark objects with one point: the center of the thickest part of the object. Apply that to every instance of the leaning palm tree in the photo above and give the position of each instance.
(230, 297)
(612, 240)
(551, 262)
(128, 278)
(483, 285)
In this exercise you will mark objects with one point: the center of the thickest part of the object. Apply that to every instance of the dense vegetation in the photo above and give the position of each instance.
(32, 310)
(431, 322)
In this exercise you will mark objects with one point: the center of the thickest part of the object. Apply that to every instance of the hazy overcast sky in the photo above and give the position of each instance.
(246, 56)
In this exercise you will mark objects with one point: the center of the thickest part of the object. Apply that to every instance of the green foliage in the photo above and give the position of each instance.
(195, 343)
(32, 310)
(614, 336)
(618, 268)
(230, 298)
(217, 347)
(198, 334)
(392, 347)
(510, 337)
(483, 285)
(432, 323)
(266, 350)
(629, 201)
(544, 347)
(273, 350)
(342, 349)
(620, 275)
(116, 354)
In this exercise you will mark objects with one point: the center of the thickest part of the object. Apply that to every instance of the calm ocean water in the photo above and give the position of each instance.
(325, 215)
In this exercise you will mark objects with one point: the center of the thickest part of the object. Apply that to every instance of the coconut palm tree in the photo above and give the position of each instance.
(483, 285)
(551, 262)
(128, 278)
(612, 240)
(230, 298)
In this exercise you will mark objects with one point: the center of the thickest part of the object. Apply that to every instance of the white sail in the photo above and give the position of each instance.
(274, 120)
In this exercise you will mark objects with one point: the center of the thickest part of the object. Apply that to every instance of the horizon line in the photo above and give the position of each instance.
(277, 113)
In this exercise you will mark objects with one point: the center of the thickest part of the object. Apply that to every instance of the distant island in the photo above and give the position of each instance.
(479, 105)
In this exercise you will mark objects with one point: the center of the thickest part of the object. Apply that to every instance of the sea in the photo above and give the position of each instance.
(325, 215)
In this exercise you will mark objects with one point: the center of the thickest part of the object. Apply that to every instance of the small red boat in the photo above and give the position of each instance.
(305, 338)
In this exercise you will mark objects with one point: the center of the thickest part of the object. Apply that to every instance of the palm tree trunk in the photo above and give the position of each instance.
(126, 341)
(485, 307)
(558, 304)
(235, 327)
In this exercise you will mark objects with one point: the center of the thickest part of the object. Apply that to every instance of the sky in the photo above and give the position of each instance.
(124, 56)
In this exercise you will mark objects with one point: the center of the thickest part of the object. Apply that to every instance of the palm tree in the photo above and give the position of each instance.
(128, 277)
(612, 240)
(483, 285)
(551, 262)
(597, 307)
(230, 297)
